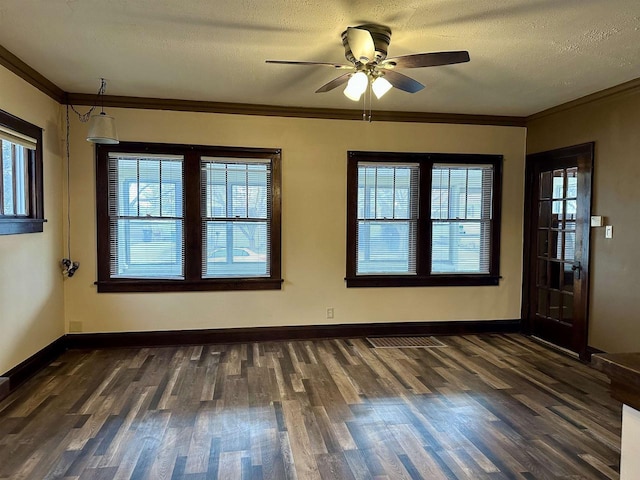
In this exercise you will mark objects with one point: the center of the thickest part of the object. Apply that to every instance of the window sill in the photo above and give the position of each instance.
(227, 284)
(416, 281)
(13, 226)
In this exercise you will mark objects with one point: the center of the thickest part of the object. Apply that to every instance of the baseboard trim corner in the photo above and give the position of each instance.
(4, 387)
(32, 365)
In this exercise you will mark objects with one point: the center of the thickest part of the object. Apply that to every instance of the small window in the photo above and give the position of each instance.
(236, 218)
(180, 218)
(461, 222)
(387, 218)
(423, 219)
(21, 198)
(146, 216)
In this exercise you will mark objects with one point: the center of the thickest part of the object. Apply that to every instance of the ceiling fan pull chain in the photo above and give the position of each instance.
(370, 99)
(364, 107)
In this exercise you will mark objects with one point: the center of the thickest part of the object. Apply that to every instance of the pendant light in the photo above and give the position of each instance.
(102, 127)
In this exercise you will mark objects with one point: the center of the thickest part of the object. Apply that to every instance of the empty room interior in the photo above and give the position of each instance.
(319, 240)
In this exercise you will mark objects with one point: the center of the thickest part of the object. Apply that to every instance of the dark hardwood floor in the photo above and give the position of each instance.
(482, 407)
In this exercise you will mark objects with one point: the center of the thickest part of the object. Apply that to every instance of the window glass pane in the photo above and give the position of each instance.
(236, 219)
(7, 178)
(387, 218)
(386, 247)
(558, 184)
(22, 181)
(572, 182)
(148, 249)
(146, 217)
(236, 249)
(459, 247)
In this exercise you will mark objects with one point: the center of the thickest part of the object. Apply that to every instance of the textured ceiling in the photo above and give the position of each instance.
(526, 55)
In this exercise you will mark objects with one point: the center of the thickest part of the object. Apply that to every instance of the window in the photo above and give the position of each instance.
(236, 218)
(423, 219)
(179, 218)
(21, 196)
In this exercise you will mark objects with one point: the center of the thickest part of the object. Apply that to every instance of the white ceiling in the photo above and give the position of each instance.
(526, 55)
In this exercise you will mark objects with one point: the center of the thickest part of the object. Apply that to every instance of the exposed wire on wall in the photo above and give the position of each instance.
(69, 267)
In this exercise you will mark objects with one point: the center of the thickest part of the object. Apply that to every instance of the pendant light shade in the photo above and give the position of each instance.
(102, 129)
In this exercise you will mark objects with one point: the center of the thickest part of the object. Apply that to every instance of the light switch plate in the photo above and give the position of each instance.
(608, 231)
(596, 220)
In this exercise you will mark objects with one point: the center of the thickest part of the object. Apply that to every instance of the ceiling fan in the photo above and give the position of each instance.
(366, 47)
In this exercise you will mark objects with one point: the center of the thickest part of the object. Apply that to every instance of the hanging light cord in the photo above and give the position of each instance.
(84, 117)
(68, 189)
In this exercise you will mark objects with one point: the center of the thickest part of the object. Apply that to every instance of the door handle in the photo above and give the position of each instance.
(577, 269)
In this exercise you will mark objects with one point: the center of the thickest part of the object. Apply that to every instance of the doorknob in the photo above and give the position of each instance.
(577, 269)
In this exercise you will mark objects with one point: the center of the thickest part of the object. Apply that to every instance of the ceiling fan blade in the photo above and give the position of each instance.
(402, 82)
(361, 44)
(336, 82)
(418, 60)
(293, 62)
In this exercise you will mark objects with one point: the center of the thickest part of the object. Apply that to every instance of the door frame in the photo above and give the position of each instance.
(586, 152)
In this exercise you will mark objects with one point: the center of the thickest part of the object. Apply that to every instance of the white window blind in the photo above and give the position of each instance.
(387, 218)
(17, 138)
(146, 216)
(236, 218)
(14, 166)
(461, 203)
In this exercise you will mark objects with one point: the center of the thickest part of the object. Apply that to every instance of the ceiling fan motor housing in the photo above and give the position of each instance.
(381, 37)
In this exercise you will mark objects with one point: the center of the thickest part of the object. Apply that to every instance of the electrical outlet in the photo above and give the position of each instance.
(330, 312)
(608, 231)
(75, 327)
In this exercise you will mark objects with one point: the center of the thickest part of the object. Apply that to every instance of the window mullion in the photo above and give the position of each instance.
(192, 219)
(160, 188)
(423, 247)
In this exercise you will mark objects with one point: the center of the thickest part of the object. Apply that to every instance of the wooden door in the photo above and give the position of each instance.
(556, 256)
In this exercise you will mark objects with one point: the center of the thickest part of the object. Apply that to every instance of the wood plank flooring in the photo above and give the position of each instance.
(482, 407)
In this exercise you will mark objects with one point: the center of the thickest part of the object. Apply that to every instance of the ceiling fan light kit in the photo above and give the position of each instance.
(356, 86)
(366, 47)
(380, 86)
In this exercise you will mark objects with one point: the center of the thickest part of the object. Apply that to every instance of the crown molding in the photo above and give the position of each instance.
(631, 86)
(296, 112)
(29, 75)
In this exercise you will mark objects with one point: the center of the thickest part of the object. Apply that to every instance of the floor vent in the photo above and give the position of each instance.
(404, 342)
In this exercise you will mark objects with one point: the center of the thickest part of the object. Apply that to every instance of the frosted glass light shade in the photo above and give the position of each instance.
(380, 86)
(356, 86)
(102, 129)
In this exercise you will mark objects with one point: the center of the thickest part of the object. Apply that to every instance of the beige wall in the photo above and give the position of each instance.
(314, 195)
(31, 285)
(613, 124)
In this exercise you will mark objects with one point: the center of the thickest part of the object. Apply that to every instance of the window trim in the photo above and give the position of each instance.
(193, 280)
(423, 277)
(32, 223)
